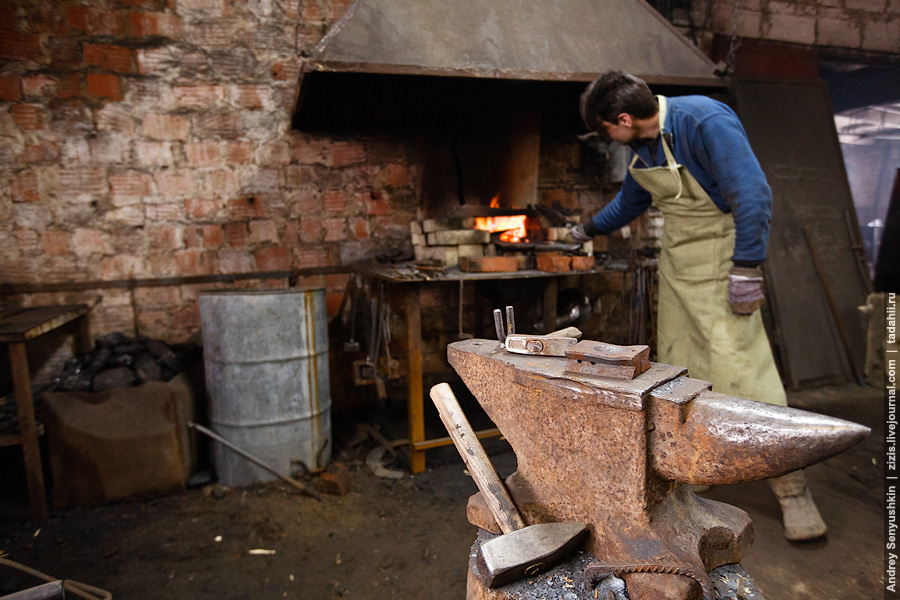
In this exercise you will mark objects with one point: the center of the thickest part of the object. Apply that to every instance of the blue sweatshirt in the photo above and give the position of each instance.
(711, 143)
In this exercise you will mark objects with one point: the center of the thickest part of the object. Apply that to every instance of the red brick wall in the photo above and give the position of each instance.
(151, 138)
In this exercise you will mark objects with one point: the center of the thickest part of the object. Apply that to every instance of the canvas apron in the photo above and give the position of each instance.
(696, 327)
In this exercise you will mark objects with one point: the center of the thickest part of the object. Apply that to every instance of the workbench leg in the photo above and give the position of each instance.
(551, 289)
(28, 431)
(414, 379)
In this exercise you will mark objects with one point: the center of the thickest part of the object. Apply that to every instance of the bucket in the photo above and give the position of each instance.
(266, 359)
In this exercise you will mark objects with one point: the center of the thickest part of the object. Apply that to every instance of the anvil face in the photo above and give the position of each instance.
(614, 453)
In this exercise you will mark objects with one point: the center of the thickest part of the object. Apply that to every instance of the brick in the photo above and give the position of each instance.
(337, 8)
(883, 36)
(260, 181)
(234, 262)
(151, 61)
(72, 118)
(176, 183)
(28, 241)
(218, 183)
(87, 241)
(583, 263)
(108, 57)
(313, 12)
(447, 256)
(553, 263)
(305, 202)
(376, 204)
(347, 153)
(291, 235)
(218, 124)
(104, 85)
(55, 243)
(127, 215)
(164, 236)
(274, 154)
(30, 117)
(155, 24)
(204, 154)
(154, 153)
(249, 96)
(198, 208)
(212, 33)
(263, 231)
(488, 264)
(459, 236)
(165, 127)
(835, 32)
(239, 152)
(309, 151)
(242, 208)
(361, 228)
(70, 86)
(286, 71)
(335, 230)
(15, 45)
(192, 237)
(114, 118)
(41, 151)
(164, 212)
(274, 258)
(309, 257)
(311, 230)
(333, 201)
(83, 181)
(199, 96)
(109, 149)
(790, 28)
(191, 262)
(94, 21)
(34, 86)
(213, 236)
(471, 250)
(25, 188)
(10, 90)
(124, 266)
(129, 184)
(297, 175)
(399, 175)
(236, 234)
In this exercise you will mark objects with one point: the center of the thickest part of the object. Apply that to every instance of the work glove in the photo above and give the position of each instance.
(580, 234)
(745, 293)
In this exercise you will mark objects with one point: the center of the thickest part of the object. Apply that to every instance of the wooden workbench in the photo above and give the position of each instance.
(411, 282)
(16, 328)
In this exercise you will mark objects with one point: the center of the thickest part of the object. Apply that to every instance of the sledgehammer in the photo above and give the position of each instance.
(521, 551)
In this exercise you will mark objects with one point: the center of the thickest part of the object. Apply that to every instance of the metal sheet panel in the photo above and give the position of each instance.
(815, 276)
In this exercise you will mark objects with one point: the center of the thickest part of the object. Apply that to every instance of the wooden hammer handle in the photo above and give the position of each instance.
(489, 484)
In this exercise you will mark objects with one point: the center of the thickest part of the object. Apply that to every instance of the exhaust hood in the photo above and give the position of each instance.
(393, 60)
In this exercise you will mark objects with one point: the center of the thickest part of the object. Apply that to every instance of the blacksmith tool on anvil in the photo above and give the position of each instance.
(617, 453)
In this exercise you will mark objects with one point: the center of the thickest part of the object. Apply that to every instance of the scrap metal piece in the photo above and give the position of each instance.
(600, 359)
(732, 582)
(599, 571)
(543, 345)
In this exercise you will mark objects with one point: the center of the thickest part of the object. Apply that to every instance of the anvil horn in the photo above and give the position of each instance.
(725, 439)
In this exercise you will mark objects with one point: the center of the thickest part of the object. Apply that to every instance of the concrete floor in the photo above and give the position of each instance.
(408, 538)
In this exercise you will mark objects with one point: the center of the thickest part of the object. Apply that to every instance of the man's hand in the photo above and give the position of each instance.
(580, 235)
(745, 293)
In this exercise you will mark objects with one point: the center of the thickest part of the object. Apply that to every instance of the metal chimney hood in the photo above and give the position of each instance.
(390, 60)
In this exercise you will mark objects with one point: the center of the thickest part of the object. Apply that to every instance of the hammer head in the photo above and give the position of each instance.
(528, 551)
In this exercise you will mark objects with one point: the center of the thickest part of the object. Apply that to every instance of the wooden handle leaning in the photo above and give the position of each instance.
(498, 499)
(572, 332)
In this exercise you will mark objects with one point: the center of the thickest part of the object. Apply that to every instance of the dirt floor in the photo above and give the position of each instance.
(408, 538)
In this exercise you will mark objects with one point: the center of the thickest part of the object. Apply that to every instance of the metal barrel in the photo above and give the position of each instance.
(266, 360)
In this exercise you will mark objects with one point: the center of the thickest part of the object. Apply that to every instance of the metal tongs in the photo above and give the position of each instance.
(552, 344)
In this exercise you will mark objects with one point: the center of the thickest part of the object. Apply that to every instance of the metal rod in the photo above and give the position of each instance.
(510, 321)
(305, 489)
(498, 325)
(48, 591)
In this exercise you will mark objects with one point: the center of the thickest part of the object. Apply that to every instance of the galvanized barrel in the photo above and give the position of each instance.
(266, 360)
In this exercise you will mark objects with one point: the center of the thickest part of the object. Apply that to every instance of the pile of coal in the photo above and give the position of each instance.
(121, 361)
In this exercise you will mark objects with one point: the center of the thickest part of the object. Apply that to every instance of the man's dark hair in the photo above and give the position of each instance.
(614, 93)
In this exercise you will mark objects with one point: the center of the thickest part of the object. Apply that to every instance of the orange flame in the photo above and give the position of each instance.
(513, 227)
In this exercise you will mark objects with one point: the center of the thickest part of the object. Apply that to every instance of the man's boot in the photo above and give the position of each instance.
(802, 520)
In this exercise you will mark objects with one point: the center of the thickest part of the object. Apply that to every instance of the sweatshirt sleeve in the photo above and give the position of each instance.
(721, 148)
(628, 205)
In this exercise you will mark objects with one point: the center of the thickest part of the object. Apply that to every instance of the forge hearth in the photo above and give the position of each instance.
(618, 455)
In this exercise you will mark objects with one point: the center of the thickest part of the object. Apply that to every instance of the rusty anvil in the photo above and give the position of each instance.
(616, 454)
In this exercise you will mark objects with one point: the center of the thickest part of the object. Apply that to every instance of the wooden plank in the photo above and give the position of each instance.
(29, 323)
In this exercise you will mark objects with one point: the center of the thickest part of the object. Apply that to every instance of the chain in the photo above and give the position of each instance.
(598, 571)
